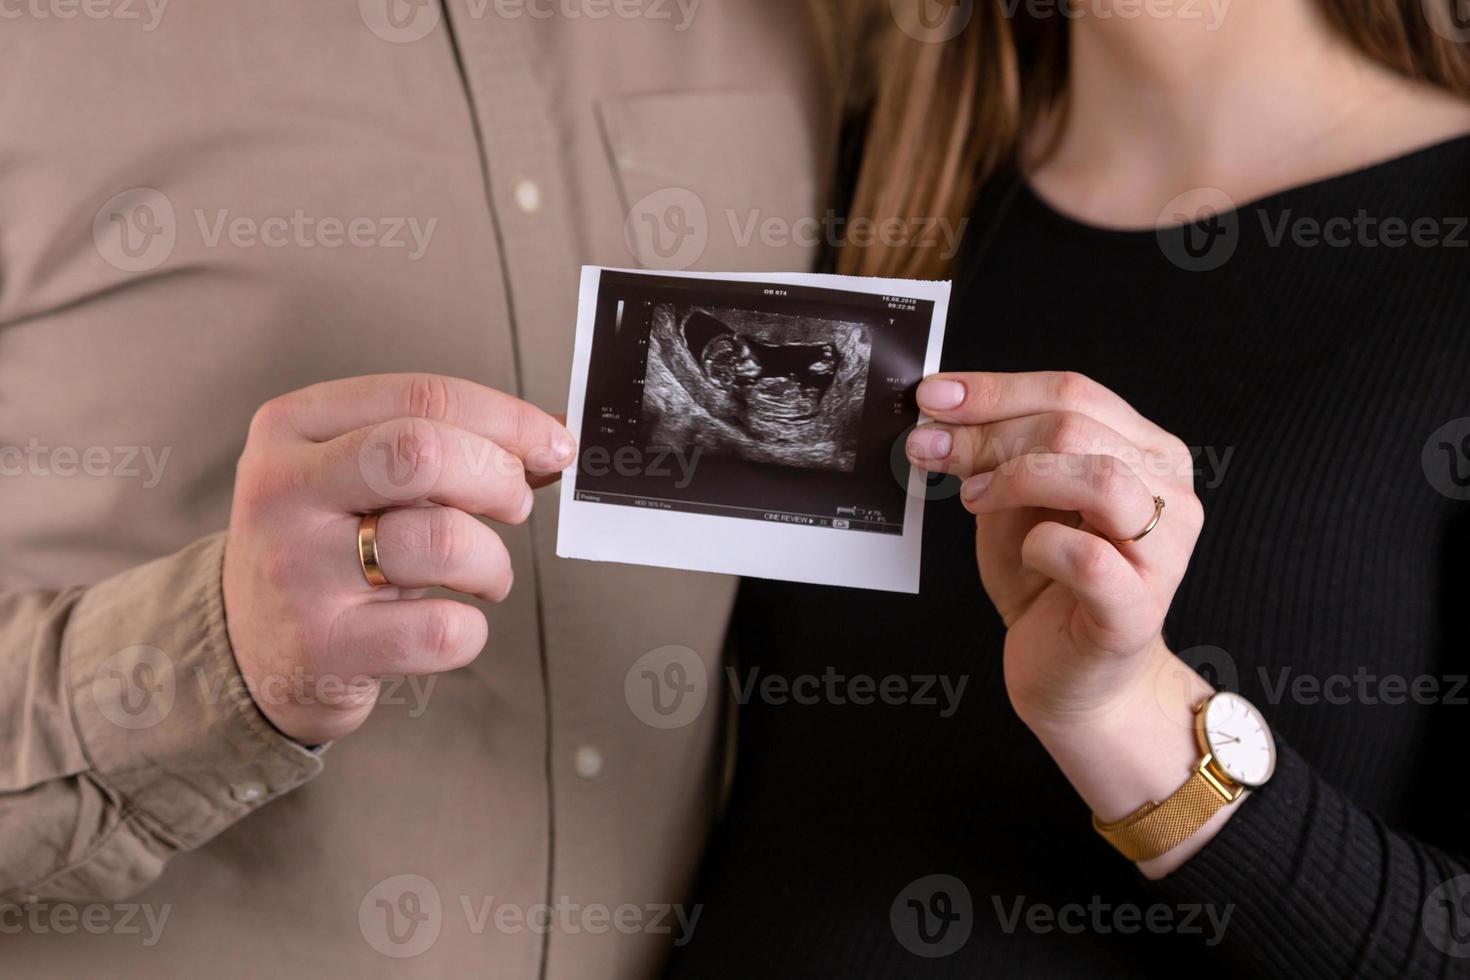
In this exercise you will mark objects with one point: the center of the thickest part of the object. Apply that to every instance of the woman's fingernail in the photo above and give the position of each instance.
(973, 488)
(929, 443)
(939, 395)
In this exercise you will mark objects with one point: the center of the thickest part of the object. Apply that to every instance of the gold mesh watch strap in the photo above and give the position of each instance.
(1157, 828)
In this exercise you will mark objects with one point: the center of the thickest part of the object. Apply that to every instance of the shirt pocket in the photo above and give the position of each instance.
(719, 181)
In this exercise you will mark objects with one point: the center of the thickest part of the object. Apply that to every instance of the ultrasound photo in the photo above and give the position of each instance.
(750, 424)
(761, 387)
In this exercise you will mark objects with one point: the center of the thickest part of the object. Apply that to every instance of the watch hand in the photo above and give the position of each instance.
(1222, 739)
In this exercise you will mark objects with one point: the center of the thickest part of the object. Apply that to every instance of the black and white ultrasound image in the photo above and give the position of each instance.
(751, 400)
(757, 386)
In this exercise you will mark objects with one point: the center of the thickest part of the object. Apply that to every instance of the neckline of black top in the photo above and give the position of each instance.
(1037, 204)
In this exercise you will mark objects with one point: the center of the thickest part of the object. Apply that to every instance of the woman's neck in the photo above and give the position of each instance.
(1248, 98)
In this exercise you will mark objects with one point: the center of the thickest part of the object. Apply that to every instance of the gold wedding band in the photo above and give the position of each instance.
(1158, 513)
(367, 552)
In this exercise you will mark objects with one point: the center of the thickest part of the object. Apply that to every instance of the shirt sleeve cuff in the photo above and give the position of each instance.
(160, 707)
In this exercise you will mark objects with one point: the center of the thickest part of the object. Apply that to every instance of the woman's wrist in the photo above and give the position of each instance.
(1139, 748)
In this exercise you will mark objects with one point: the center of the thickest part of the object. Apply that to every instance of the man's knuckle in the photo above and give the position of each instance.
(511, 467)
(416, 446)
(356, 694)
(445, 632)
(279, 569)
(523, 425)
(449, 548)
(267, 421)
(263, 483)
(430, 396)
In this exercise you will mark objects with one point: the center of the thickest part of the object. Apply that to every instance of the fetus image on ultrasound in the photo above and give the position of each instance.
(761, 387)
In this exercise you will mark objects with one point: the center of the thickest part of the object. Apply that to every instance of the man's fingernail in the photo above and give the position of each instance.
(527, 505)
(940, 395)
(563, 445)
(975, 487)
(930, 443)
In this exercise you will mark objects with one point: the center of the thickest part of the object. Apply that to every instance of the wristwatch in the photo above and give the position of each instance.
(1239, 754)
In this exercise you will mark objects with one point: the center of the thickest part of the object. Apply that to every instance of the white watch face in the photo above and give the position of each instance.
(1238, 738)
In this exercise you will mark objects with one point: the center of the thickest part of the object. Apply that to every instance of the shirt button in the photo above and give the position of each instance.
(528, 196)
(247, 792)
(588, 762)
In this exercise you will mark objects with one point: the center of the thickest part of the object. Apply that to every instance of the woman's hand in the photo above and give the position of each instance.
(1058, 471)
(431, 454)
(1061, 473)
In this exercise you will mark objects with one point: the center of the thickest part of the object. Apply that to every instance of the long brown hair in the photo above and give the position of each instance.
(945, 113)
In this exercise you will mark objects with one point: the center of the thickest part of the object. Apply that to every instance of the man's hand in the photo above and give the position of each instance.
(430, 454)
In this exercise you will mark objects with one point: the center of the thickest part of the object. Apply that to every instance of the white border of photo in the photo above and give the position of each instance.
(735, 545)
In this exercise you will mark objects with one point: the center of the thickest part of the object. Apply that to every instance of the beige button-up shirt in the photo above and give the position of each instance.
(204, 204)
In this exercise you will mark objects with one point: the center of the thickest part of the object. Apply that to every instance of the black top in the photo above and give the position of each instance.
(1328, 385)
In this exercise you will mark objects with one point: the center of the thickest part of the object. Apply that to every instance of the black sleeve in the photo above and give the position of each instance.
(1317, 887)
